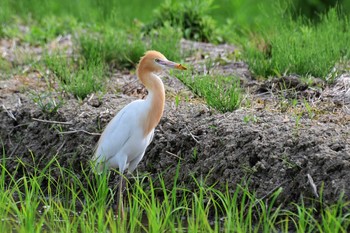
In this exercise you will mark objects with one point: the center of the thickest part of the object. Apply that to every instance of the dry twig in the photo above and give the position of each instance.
(52, 122)
(10, 114)
(80, 131)
(312, 184)
(194, 137)
(172, 154)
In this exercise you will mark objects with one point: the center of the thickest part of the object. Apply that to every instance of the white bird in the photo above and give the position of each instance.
(125, 139)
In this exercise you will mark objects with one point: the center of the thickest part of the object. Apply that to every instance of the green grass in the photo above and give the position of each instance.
(56, 199)
(121, 49)
(220, 92)
(47, 103)
(191, 17)
(39, 32)
(78, 77)
(300, 47)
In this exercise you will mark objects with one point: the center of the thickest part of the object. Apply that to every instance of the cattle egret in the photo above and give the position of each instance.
(125, 139)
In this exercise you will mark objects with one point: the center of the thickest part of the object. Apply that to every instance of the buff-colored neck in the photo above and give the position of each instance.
(155, 98)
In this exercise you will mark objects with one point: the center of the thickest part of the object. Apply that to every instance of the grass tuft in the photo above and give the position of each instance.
(220, 92)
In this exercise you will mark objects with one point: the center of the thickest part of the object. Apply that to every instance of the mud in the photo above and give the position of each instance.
(266, 145)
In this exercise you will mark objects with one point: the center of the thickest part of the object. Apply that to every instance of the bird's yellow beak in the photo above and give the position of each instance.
(180, 67)
(171, 64)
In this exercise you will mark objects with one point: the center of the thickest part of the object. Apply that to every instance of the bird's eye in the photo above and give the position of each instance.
(157, 60)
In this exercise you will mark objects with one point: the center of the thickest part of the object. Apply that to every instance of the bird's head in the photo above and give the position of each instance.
(154, 61)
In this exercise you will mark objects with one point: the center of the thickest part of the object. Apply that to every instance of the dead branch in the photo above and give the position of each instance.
(194, 137)
(172, 154)
(80, 131)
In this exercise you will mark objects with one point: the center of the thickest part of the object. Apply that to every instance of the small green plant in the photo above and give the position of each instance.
(195, 155)
(297, 124)
(294, 102)
(220, 92)
(177, 100)
(47, 102)
(250, 118)
(309, 110)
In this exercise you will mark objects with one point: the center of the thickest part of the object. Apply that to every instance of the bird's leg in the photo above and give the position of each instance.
(120, 206)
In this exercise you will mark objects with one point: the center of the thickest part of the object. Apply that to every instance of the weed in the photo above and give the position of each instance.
(250, 118)
(294, 103)
(297, 124)
(309, 109)
(177, 100)
(195, 155)
(47, 103)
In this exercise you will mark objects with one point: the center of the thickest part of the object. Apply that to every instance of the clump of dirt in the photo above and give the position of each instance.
(265, 145)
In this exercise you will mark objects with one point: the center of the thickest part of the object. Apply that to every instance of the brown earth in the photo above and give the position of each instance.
(268, 143)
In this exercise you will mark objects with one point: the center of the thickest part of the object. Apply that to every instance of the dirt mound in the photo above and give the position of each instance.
(270, 150)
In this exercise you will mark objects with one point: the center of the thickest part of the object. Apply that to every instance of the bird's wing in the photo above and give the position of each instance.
(117, 132)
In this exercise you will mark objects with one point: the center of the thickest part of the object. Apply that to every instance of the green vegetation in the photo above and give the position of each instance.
(39, 32)
(123, 50)
(46, 102)
(77, 77)
(56, 199)
(220, 92)
(190, 16)
(299, 47)
(114, 34)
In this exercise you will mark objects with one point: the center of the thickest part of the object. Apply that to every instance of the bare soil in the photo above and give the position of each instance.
(266, 144)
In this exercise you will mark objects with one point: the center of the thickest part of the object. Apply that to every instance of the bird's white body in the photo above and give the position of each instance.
(123, 143)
